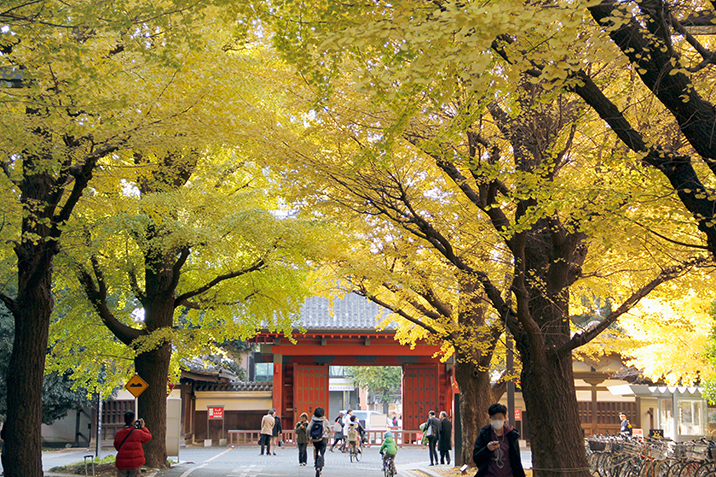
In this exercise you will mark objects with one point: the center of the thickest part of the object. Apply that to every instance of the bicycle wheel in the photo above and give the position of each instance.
(663, 468)
(689, 469)
(706, 468)
(675, 469)
(358, 454)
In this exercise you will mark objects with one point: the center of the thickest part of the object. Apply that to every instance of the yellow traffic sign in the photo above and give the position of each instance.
(136, 385)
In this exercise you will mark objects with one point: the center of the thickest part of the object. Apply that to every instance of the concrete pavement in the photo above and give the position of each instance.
(246, 462)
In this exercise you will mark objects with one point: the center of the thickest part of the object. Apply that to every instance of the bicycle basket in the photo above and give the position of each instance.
(597, 446)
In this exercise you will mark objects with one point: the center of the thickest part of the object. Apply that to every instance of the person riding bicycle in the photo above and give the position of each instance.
(319, 431)
(388, 449)
(355, 436)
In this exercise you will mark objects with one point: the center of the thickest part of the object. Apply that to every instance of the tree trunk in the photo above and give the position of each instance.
(153, 367)
(475, 398)
(26, 369)
(552, 414)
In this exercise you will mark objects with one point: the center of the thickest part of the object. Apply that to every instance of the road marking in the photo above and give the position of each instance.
(185, 474)
(252, 470)
(219, 455)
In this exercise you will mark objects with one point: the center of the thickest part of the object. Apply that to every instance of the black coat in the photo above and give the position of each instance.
(434, 422)
(481, 454)
(445, 442)
(277, 429)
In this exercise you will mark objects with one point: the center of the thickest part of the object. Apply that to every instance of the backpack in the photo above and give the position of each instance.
(317, 431)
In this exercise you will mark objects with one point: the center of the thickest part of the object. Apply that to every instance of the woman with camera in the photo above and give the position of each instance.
(128, 442)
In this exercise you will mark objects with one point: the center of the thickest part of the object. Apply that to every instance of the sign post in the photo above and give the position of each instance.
(98, 446)
(136, 385)
(215, 413)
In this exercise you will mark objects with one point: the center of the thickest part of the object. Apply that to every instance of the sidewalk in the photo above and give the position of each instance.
(421, 469)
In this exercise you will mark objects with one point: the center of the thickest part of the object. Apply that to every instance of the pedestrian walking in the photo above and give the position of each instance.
(128, 442)
(445, 441)
(267, 425)
(338, 432)
(319, 431)
(346, 421)
(301, 432)
(276, 433)
(432, 430)
(497, 450)
(626, 429)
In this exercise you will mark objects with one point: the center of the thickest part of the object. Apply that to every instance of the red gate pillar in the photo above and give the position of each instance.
(277, 391)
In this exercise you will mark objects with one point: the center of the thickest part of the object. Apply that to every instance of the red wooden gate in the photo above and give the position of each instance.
(310, 389)
(420, 394)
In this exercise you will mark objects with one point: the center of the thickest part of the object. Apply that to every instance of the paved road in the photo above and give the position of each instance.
(246, 462)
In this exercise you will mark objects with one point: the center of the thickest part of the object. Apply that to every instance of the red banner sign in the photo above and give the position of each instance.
(518, 414)
(216, 413)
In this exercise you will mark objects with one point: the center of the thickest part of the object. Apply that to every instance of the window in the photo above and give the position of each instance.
(263, 372)
(690, 417)
(339, 371)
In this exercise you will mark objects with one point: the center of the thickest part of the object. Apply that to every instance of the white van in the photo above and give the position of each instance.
(370, 420)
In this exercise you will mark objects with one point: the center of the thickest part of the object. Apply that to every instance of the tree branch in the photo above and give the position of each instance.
(134, 283)
(362, 291)
(666, 275)
(433, 315)
(82, 175)
(9, 303)
(176, 268)
(258, 265)
(97, 295)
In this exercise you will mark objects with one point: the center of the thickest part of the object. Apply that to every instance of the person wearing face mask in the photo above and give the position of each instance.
(497, 451)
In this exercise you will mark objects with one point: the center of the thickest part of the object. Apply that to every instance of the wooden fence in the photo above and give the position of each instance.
(402, 438)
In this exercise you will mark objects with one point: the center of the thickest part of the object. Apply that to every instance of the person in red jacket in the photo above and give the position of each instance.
(128, 442)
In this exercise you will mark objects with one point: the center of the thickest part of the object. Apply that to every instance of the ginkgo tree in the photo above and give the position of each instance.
(177, 249)
(525, 160)
(188, 253)
(82, 84)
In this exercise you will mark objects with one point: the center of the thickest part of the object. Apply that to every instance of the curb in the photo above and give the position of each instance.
(418, 472)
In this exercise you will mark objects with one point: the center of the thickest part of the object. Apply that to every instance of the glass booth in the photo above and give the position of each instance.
(690, 419)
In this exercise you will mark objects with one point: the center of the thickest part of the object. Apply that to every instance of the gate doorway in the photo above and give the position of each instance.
(310, 389)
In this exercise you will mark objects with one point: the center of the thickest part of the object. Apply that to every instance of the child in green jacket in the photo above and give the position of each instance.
(388, 449)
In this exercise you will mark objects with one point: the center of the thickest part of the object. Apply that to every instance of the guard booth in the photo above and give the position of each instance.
(349, 337)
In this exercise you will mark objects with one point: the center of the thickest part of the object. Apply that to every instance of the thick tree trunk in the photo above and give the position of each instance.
(475, 398)
(552, 414)
(26, 369)
(153, 367)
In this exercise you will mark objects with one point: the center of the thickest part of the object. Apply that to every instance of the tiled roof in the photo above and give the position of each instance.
(239, 386)
(351, 312)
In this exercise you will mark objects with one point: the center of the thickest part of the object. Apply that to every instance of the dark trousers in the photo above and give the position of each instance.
(338, 438)
(265, 441)
(432, 442)
(302, 454)
(445, 454)
(319, 453)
